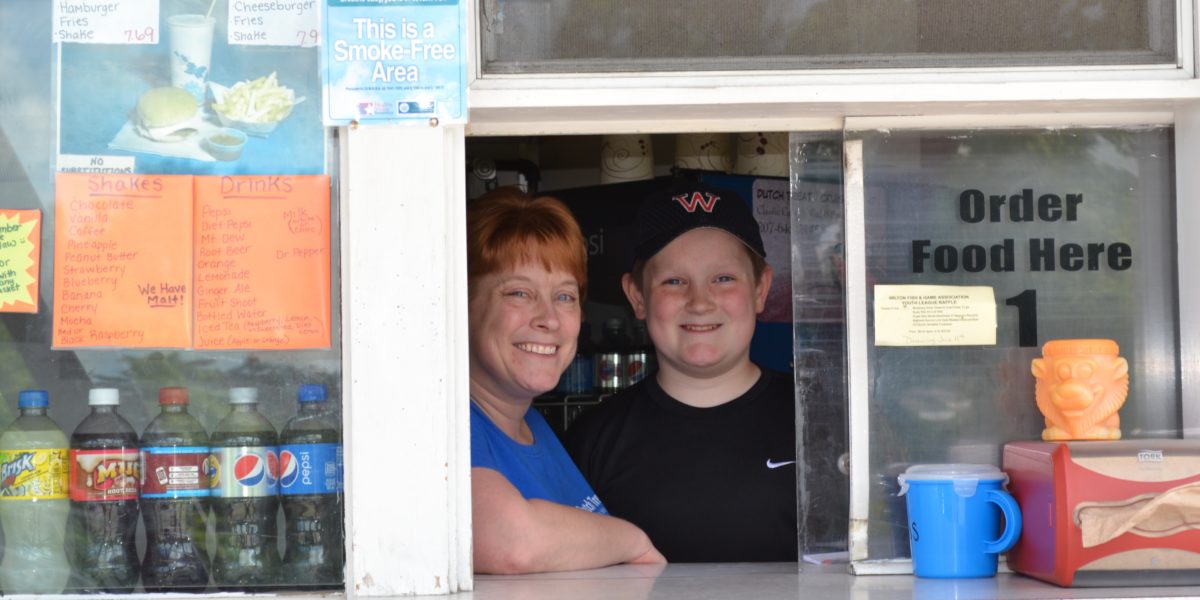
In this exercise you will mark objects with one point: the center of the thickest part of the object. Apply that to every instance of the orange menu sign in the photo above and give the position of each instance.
(262, 262)
(122, 260)
(126, 276)
(20, 251)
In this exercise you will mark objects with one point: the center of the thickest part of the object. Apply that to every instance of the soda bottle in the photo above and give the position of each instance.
(33, 500)
(176, 468)
(105, 476)
(580, 374)
(611, 374)
(310, 485)
(640, 359)
(245, 499)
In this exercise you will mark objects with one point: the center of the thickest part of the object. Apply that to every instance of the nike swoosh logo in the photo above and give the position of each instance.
(775, 465)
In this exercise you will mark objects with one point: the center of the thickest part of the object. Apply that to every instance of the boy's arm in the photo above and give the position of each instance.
(515, 535)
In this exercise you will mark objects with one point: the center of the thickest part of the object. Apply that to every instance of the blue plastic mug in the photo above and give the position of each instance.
(955, 523)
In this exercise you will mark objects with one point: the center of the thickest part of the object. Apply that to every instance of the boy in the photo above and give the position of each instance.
(702, 455)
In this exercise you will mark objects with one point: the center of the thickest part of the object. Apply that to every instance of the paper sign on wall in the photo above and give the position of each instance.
(935, 315)
(126, 275)
(122, 261)
(395, 60)
(20, 251)
(262, 267)
(107, 22)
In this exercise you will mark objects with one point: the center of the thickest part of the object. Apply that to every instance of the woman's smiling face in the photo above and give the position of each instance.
(524, 323)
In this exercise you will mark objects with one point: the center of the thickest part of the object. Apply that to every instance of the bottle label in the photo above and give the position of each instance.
(105, 474)
(609, 373)
(33, 473)
(635, 367)
(176, 471)
(310, 469)
(246, 472)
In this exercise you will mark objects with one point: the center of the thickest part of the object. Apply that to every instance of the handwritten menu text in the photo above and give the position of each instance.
(262, 268)
(126, 274)
(122, 260)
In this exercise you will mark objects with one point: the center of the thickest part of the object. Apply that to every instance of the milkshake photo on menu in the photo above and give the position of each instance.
(196, 94)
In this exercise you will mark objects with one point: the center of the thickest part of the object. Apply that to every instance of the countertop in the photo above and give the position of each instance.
(777, 581)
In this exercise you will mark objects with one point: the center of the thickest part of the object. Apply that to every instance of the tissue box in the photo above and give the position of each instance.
(1107, 513)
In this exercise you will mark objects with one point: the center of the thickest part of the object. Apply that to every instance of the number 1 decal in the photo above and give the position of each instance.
(1027, 329)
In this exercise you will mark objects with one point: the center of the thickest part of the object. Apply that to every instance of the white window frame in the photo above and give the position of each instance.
(404, 292)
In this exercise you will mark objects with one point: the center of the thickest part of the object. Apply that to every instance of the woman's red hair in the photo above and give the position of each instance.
(506, 228)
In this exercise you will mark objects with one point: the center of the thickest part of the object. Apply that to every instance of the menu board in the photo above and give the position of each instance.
(262, 262)
(193, 87)
(134, 254)
(20, 249)
(122, 261)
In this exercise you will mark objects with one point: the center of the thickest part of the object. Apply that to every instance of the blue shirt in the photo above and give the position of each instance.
(540, 470)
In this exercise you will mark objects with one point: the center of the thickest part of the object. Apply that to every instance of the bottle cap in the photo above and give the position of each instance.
(173, 395)
(33, 399)
(311, 392)
(104, 397)
(243, 395)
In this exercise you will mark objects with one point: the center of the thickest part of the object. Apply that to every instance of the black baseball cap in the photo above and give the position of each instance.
(670, 212)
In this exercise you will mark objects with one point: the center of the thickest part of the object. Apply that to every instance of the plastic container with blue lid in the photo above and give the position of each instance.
(965, 477)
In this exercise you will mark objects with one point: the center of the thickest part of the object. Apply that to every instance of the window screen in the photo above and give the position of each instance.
(564, 36)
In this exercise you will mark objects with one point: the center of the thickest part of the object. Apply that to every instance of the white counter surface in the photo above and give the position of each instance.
(779, 581)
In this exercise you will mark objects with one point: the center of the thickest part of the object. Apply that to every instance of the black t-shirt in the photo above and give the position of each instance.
(706, 484)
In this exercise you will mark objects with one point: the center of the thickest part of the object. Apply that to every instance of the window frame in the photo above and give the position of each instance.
(399, 557)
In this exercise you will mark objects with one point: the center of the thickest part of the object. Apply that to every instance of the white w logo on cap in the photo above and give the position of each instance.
(705, 200)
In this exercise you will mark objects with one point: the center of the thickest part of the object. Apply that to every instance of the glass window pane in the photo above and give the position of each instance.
(1072, 229)
(819, 334)
(564, 36)
(28, 153)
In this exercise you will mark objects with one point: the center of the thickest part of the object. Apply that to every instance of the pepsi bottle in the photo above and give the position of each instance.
(581, 373)
(245, 499)
(612, 357)
(175, 487)
(105, 477)
(310, 486)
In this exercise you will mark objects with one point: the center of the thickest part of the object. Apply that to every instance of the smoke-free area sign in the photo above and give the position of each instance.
(395, 60)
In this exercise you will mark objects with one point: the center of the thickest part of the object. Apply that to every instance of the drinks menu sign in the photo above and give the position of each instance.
(134, 254)
(262, 264)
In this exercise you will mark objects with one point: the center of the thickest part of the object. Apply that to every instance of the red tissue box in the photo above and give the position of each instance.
(1115, 513)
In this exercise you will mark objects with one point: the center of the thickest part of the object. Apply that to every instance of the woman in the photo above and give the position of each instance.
(532, 509)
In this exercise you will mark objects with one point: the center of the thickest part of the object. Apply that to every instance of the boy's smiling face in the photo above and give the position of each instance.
(700, 302)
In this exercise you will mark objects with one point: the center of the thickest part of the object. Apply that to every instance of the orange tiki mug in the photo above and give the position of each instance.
(1081, 384)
